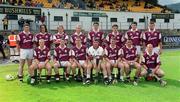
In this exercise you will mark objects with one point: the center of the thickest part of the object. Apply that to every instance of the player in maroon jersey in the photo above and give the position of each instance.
(153, 36)
(130, 59)
(25, 41)
(119, 39)
(80, 34)
(151, 64)
(62, 58)
(95, 33)
(117, 35)
(113, 60)
(41, 60)
(44, 35)
(80, 55)
(136, 36)
(61, 34)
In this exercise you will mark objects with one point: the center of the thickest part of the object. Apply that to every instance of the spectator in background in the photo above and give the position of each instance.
(20, 2)
(14, 54)
(49, 1)
(21, 23)
(1, 46)
(5, 23)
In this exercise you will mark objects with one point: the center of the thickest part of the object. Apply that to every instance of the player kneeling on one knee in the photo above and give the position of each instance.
(130, 59)
(151, 64)
(112, 60)
(41, 60)
(62, 58)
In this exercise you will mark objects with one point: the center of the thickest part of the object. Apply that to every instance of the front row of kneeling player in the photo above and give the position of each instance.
(99, 59)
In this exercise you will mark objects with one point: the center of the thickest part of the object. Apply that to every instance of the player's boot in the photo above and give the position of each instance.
(20, 78)
(127, 80)
(135, 82)
(88, 81)
(121, 79)
(32, 82)
(48, 78)
(163, 83)
(57, 78)
(106, 81)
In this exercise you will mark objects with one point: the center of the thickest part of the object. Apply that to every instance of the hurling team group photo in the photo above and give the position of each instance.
(89, 50)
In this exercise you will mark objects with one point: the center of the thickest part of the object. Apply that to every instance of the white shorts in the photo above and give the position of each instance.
(113, 61)
(26, 53)
(138, 48)
(156, 50)
(81, 62)
(64, 63)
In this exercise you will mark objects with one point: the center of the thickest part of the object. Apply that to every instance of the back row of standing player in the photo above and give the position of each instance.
(112, 43)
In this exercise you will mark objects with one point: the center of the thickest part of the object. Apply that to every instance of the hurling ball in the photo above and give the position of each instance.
(9, 77)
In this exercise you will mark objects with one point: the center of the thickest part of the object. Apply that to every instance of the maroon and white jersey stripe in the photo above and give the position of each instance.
(129, 53)
(152, 37)
(151, 61)
(81, 36)
(62, 54)
(136, 37)
(47, 38)
(25, 40)
(42, 54)
(112, 53)
(118, 36)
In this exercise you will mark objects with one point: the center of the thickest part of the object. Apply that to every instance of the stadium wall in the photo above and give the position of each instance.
(86, 21)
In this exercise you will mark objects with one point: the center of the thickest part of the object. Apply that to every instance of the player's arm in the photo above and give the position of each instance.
(160, 44)
(48, 58)
(158, 62)
(143, 63)
(143, 41)
(105, 56)
(18, 41)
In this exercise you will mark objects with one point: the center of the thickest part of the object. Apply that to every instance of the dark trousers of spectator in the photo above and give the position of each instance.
(2, 51)
(5, 27)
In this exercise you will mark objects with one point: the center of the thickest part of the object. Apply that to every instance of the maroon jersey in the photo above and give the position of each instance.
(47, 38)
(25, 40)
(136, 37)
(81, 36)
(129, 53)
(119, 38)
(62, 54)
(42, 54)
(59, 36)
(153, 38)
(151, 61)
(80, 53)
(112, 53)
(98, 35)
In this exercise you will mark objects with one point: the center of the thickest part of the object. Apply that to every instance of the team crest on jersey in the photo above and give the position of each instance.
(82, 50)
(24, 37)
(153, 58)
(98, 34)
(44, 52)
(38, 51)
(40, 37)
(65, 51)
(46, 36)
(133, 51)
(118, 37)
(155, 34)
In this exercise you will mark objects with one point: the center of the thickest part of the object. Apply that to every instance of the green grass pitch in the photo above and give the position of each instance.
(14, 91)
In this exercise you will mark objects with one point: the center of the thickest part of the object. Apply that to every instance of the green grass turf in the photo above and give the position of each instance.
(14, 91)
